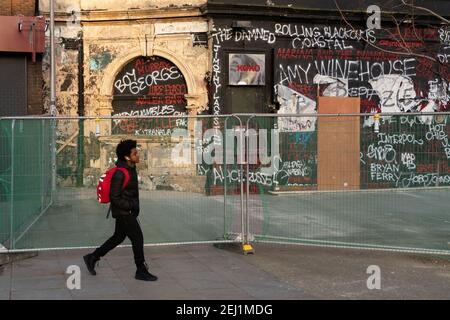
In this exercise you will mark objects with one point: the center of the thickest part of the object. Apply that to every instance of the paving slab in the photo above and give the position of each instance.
(5, 282)
(38, 283)
(41, 294)
(204, 272)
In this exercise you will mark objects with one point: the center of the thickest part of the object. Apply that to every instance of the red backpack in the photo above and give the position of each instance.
(104, 184)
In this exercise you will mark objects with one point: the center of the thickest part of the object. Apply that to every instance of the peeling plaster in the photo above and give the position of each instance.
(67, 82)
(100, 60)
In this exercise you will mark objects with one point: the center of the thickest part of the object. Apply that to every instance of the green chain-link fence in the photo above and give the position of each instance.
(345, 181)
(178, 202)
(25, 176)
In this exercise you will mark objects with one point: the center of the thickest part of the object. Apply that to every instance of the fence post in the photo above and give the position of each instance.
(225, 178)
(11, 219)
(247, 157)
(241, 184)
(80, 153)
(242, 189)
(438, 173)
(53, 150)
(41, 158)
(246, 247)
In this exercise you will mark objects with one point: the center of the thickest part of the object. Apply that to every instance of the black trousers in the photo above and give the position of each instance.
(126, 226)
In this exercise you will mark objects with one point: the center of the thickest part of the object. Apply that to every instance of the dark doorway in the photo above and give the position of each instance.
(13, 85)
(246, 99)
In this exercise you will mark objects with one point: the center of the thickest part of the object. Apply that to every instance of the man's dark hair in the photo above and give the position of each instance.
(124, 148)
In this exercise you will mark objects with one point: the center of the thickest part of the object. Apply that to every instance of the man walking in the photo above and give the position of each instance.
(125, 209)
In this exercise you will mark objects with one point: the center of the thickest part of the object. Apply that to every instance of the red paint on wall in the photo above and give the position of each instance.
(22, 34)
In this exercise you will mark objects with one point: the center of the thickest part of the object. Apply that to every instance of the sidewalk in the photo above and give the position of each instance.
(205, 272)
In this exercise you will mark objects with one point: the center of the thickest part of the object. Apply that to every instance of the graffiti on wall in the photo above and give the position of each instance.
(394, 85)
(341, 61)
(406, 153)
(149, 87)
(292, 102)
(334, 60)
(294, 166)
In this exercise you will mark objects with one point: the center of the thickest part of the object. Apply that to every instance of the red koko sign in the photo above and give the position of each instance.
(246, 69)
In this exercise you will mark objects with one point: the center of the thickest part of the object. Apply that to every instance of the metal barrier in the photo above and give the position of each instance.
(340, 180)
(353, 180)
(25, 190)
(179, 199)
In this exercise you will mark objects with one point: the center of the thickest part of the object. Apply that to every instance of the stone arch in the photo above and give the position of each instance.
(193, 96)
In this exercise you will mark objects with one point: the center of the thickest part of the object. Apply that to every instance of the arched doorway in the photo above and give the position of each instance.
(149, 86)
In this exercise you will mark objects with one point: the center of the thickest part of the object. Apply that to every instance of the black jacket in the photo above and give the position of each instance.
(124, 202)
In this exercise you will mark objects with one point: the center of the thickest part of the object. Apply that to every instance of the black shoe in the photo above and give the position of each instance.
(143, 274)
(90, 261)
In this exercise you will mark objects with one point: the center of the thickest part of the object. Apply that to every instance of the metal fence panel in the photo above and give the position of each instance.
(5, 179)
(24, 186)
(327, 180)
(345, 181)
(182, 199)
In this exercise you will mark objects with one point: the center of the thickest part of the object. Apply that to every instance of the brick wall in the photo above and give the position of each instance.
(5, 7)
(25, 7)
(35, 82)
(16, 7)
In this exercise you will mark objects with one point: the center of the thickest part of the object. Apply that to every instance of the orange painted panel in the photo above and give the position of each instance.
(338, 145)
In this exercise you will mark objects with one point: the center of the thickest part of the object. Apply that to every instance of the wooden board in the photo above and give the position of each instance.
(338, 144)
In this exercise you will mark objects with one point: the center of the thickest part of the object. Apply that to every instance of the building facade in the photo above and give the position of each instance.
(216, 57)
(285, 57)
(129, 58)
(301, 46)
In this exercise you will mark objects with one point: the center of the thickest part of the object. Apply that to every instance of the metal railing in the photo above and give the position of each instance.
(355, 180)
(340, 180)
(25, 192)
(178, 206)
